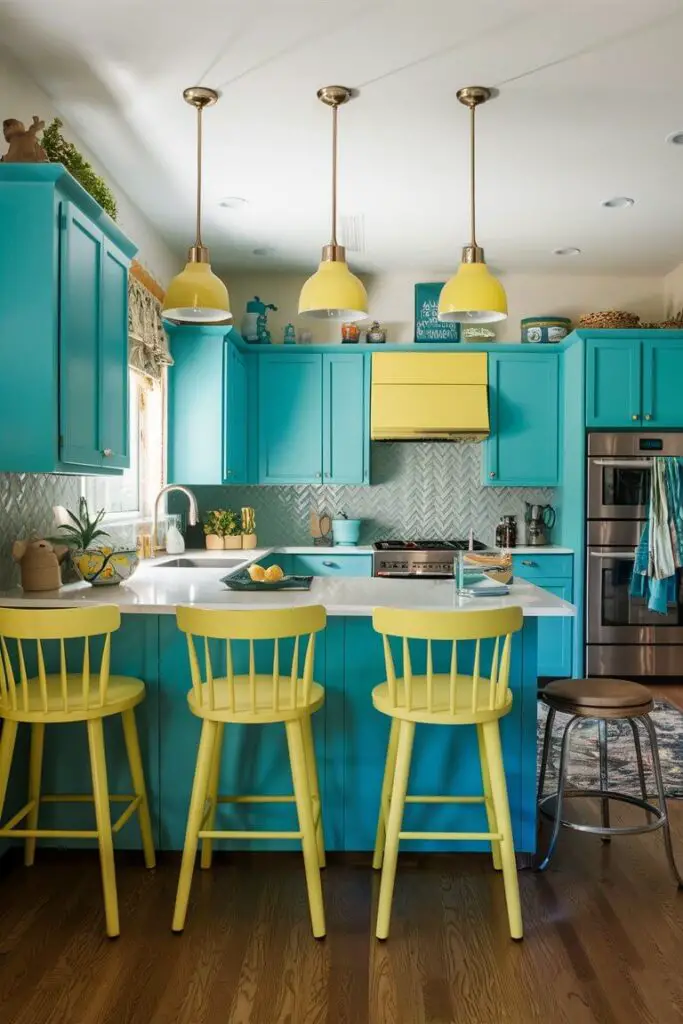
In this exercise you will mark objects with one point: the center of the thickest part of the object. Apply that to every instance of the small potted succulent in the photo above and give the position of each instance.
(212, 530)
(223, 529)
(248, 528)
(232, 529)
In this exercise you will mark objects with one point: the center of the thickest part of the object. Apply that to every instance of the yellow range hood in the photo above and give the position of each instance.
(429, 396)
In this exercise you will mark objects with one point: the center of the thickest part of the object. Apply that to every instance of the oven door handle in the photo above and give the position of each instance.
(623, 463)
(626, 555)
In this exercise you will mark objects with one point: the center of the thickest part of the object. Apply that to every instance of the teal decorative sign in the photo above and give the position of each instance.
(428, 327)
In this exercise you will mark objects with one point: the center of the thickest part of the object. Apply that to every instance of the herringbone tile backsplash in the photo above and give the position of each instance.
(418, 490)
(26, 501)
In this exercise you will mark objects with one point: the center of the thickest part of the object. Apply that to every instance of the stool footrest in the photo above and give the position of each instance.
(445, 799)
(242, 834)
(602, 830)
(449, 836)
(256, 799)
(10, 829)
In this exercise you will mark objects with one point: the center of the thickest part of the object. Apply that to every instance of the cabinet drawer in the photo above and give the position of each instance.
(332, 565)
(538, 567)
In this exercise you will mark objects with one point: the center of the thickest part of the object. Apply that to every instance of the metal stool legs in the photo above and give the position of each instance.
(657, 816)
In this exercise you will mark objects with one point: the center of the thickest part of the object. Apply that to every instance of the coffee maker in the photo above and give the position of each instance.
(539, 520)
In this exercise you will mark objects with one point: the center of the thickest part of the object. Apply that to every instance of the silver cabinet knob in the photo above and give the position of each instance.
(529, 562)
(318, 476)
(107, 452)
(330, 565)
(648, 415)
(327, 476)
(228, 472)
(634, 417)
(492, 476)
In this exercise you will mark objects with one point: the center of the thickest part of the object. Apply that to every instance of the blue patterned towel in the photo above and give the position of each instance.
(658, 555)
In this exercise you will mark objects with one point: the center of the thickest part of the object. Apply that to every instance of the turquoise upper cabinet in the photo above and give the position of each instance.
(633, 380)
(613, 381)
(662, 381)
(207, 406)
(314, 418)
(346, 438)
(290, 418)
(64, 325)
(523, 449)
(236, 389)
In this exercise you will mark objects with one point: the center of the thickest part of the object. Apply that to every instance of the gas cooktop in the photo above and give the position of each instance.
(426, 559)
(427, 545)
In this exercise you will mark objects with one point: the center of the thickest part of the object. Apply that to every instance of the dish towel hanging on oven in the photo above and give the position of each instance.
(660, 550)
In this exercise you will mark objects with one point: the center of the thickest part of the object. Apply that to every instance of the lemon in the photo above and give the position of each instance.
(257, 573)
(273, 574)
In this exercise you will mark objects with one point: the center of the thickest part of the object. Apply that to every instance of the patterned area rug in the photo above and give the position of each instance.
(584, 765)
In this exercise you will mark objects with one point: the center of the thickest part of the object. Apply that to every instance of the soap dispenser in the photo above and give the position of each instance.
(175, 543)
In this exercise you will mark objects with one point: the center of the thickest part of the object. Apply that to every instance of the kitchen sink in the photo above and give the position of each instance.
(200, 563)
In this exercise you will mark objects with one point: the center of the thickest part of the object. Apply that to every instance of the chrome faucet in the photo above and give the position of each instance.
(193, 515)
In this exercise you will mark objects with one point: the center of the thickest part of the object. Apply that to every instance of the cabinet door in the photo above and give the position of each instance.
(613, 382)
(346, 426)
(524, 406)
(113, 418)
(235, 390)
(662, 379)
(80, 328)
(555, 635)
(333, 564)
(290, 419)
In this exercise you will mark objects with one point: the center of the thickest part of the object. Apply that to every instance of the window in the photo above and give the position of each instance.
(130, 497)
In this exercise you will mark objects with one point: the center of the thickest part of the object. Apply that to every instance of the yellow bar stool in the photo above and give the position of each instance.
(88, 695)
(445, 699)
(254, 699)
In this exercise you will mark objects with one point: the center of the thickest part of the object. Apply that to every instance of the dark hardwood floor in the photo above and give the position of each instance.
(604, 937)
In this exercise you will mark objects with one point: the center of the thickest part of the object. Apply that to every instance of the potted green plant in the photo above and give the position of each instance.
(94, 563)
(212, 530)
(248, 528)
(231, 528)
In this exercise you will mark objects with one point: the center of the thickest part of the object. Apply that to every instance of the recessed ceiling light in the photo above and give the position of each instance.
(570, 250)
(263, 251)
(232, 202)
(675, 138)
(618, 202)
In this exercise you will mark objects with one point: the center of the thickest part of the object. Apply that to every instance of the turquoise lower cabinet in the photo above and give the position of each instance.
(290, 418)
(64, 320)
(332, 564)
(613, 381)
(523, 449)
(346, 437)
(662, 381)
(555, 634)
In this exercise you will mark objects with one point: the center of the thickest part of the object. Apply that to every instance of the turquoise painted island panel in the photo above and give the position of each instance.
(350, 739)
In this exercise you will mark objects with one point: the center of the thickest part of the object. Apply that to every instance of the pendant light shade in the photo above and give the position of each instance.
(333, 292)
(196, 295)
(473, 295)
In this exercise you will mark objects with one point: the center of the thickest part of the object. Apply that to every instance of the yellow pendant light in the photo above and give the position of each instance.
(196, 295)
(333, 292)
(473, 295)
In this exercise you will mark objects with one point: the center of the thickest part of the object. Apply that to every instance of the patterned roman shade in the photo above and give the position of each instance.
(148, 347)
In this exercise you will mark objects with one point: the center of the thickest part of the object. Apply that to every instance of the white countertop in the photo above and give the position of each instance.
(155, 590)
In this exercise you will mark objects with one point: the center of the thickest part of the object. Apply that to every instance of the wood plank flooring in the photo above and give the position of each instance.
(604, 937)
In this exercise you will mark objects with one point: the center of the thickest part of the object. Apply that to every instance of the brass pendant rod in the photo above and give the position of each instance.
(335, 112)
(198, 242)
(472, 178)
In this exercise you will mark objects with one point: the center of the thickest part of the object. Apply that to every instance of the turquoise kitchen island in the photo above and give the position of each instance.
(350, 735)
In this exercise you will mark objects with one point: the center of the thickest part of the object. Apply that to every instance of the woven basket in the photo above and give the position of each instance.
(609, 318)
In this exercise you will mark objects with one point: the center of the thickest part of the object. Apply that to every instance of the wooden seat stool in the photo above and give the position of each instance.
(602, 700)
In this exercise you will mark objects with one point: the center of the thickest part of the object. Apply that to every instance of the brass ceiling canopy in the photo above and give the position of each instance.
(200, 96)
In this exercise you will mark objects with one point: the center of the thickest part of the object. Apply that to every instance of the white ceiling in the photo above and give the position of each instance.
(588, 91)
